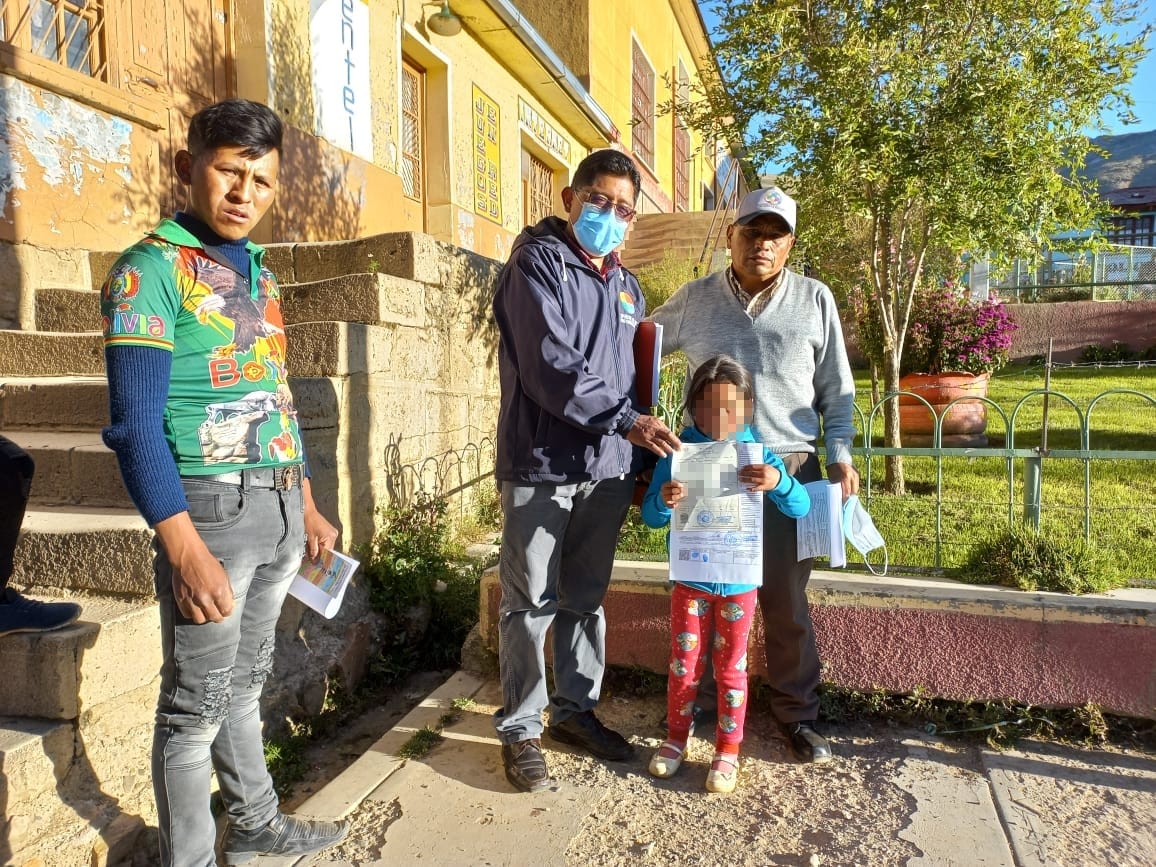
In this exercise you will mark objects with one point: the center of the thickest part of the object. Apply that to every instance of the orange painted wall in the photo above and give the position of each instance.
(71, 175)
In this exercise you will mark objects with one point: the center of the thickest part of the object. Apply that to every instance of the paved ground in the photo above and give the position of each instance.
(894, 796)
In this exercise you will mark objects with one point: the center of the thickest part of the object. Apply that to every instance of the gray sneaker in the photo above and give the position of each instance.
(284, 835)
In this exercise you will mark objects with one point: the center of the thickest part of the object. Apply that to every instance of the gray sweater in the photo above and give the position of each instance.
(794, 350)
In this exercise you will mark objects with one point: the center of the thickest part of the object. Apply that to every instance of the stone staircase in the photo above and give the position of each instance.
(377, 327)
(76, 705)
(683, 235)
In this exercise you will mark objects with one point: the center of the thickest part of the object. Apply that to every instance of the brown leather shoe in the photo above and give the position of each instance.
(526, 766)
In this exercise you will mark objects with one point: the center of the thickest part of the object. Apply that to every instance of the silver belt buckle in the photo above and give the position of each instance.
(289, 477)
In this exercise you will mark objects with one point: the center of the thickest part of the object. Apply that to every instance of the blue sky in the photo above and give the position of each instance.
(1143, 82)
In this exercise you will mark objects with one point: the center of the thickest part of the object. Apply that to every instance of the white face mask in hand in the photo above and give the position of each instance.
(860, 531)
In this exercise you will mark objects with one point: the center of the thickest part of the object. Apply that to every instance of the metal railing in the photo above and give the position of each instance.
(1020, 459)
(1033, 457)
(1116, 273)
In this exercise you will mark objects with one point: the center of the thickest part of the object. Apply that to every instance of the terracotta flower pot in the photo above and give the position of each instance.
(965, 424)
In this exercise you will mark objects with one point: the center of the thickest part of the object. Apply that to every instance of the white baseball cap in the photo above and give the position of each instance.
(772, 200)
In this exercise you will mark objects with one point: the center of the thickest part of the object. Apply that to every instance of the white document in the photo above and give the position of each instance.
(716, 532)
(321, 584)
(820, 531)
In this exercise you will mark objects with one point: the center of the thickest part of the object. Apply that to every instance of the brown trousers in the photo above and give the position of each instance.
(792, 657)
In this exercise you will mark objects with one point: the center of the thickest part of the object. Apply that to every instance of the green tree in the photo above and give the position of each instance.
(912, 130)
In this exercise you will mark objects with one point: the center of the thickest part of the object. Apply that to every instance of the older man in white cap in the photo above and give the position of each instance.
(785, 328)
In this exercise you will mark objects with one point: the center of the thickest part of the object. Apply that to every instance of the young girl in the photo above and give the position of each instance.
(714, 614)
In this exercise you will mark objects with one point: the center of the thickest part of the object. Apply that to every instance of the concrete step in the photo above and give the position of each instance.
(112, 650)
(50, 353)
(1043, 649)
(57, 403)
(369, 298)
(56, 812)
(410, 255)
(31, 751)
(69, 310)
(72, 468)
(90, 549)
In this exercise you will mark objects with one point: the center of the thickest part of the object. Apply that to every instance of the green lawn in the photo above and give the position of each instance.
(975, 495)
(975, 490)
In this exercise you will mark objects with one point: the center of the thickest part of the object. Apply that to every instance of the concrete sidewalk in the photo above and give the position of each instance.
(893, 796)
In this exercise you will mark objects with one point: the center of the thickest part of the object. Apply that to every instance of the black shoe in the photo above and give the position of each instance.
(19, 614)
(284, 835)
(808, 744)
(526, 766)
(583, 730)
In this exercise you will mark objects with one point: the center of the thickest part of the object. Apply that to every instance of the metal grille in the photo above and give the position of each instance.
(68, 32)
(540, 190)
(412, 112)
(682, 146)
(681, 168)
(642, 107)
(1117, 273)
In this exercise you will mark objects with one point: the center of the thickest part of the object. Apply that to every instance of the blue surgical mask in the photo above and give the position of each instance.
(599, 233)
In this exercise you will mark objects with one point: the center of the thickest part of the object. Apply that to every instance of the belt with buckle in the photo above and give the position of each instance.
(274, 478)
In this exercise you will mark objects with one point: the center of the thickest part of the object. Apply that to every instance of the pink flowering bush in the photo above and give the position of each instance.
(950, 333)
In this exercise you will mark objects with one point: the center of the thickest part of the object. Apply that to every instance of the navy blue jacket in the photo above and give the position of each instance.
(565, 361)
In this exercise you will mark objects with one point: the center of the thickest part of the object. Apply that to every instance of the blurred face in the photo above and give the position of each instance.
(229, 191)
(721, 411)
(759, 249)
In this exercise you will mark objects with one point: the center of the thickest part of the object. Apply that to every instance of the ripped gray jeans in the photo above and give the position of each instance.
(208, 714)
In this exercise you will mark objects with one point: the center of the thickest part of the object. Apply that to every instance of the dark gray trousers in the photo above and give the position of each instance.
(16, 469)
(557, 555)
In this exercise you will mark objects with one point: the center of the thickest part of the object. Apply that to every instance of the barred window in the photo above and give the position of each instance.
(682, 145)
(412, 130)
(537, 189)
(642, 107)
(69, 32)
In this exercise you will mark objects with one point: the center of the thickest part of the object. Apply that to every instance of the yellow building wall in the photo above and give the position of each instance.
(653, 24)
(327, 192)
(89, 176)
(452, 150)
(72, 175)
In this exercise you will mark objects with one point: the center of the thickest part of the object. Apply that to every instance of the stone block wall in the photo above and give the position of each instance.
(408, 403)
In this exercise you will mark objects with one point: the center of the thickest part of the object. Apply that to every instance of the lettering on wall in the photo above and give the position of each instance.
(487, 157)
(339, 35)
(543, 133)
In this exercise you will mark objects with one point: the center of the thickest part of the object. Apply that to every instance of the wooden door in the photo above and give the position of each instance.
(182, 52)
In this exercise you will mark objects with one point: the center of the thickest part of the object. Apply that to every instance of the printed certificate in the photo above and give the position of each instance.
(716, 532)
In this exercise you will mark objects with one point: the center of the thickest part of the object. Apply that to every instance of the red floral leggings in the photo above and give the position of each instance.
(698, 617)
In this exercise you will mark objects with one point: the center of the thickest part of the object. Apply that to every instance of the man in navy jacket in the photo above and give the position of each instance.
(567, 312)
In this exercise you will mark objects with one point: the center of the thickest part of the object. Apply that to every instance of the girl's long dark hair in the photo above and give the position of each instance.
(721, 368)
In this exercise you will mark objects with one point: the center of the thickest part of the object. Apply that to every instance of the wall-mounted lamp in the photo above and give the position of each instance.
(444, 22)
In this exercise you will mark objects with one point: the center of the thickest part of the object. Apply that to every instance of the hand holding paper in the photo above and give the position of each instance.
(820, 531)
(320, 583)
